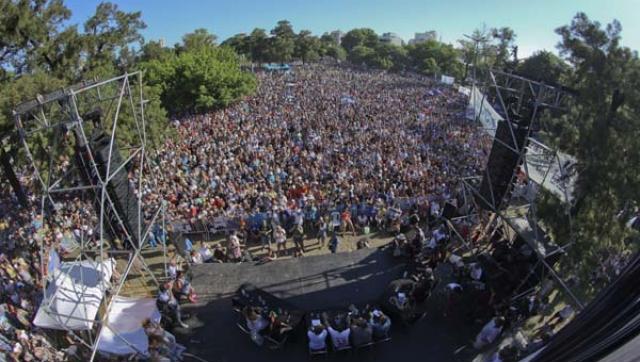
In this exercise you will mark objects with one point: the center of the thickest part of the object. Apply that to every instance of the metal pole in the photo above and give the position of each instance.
(164, 238)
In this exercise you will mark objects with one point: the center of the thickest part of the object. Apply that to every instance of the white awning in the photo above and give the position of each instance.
(123, 333)
(74, 295)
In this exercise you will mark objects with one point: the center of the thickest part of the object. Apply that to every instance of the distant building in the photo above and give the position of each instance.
(162, 42)
(391, 38)
(424, 37)
(337, 35)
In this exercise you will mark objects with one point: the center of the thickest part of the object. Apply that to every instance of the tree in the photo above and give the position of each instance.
(604, 124)
(336, 52)
(240, 43)
(360, 37)
(389, 56)
(27, 33)
(108, 31)
(200, 38)
(361, 55)
(154, 50)
(199, 80)
(505, 46)
(543, 66)
(22, 89)
(433, 57)
(307, 47)
(258, 42)
(282, 43)
(477, 50)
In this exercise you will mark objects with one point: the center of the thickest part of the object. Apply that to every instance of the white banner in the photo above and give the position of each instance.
(479, 108)
(447, 79)
(555, 171)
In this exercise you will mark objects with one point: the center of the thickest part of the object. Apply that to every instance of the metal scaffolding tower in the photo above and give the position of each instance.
(58, 133)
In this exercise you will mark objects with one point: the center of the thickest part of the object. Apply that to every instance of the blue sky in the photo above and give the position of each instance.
(533, 20)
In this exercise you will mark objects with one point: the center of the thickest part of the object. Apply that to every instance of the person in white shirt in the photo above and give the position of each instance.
(166, 298)
(489, 332)
(196, 257)
(255, 321)
(205, 252)
(339, 335)
(317, 336)
(476, 271)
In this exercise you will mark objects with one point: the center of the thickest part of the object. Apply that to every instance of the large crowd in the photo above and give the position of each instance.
(315, 142)
(314, 149)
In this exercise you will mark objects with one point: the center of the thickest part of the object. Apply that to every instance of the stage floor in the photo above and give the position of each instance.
(311, 283)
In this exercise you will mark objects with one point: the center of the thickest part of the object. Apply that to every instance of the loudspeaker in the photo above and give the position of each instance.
(501, 165)
(13, 179)
(119, 189)
(449, 211)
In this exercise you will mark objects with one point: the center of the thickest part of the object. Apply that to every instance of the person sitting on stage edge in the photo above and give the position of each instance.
(153, 329)
(317, 336)
(339, 334)
(489, 332)
(255, 323)
(182, 287)
(278, 326)
(400, 301)
(219, 255)
(167, 303)
(205, 253)
(361, 332)
(380, 324)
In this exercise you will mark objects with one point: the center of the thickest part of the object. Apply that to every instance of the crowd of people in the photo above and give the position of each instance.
(490, 279)
(319, 145)
(316, 153)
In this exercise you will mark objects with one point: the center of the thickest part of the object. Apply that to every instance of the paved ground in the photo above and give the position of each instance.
(214, 336)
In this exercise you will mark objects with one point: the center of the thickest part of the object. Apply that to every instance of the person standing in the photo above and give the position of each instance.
(322, 231)
(334, 242)
(235, 252)
(265, 234)
(298, 239)
(280, 236)
(168, 303)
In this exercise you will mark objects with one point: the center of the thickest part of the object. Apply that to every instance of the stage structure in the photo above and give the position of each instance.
(509, 107)
(86, 145)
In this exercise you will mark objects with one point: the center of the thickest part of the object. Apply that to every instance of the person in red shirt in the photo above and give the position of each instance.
(346, 222)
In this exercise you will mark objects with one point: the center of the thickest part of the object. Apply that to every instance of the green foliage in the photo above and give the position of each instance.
(200, 38)
(24, 88)
(199, 80)
(360, 37)
(489, 49)
(544, 66)
(432, 57)
(361, 55)
(307, 46)
(108, 31)
(601, 130)
(336, 52)
(26, 29)
(154, 50)
(282, 43)
(505, 46)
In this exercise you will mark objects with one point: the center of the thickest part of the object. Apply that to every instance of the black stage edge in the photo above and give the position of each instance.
(310, 283)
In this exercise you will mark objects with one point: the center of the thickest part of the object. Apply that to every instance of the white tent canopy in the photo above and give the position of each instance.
(74, 295)
(124, 323)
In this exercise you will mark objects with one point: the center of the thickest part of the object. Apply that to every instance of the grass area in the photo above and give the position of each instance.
(139, 283)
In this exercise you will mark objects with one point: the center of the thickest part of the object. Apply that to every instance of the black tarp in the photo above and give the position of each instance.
(607, 327)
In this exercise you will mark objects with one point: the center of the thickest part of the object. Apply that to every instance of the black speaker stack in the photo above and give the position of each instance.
(509, 143)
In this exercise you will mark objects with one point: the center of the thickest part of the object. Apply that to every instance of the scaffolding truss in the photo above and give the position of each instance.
(520, 102)
(56, 132)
